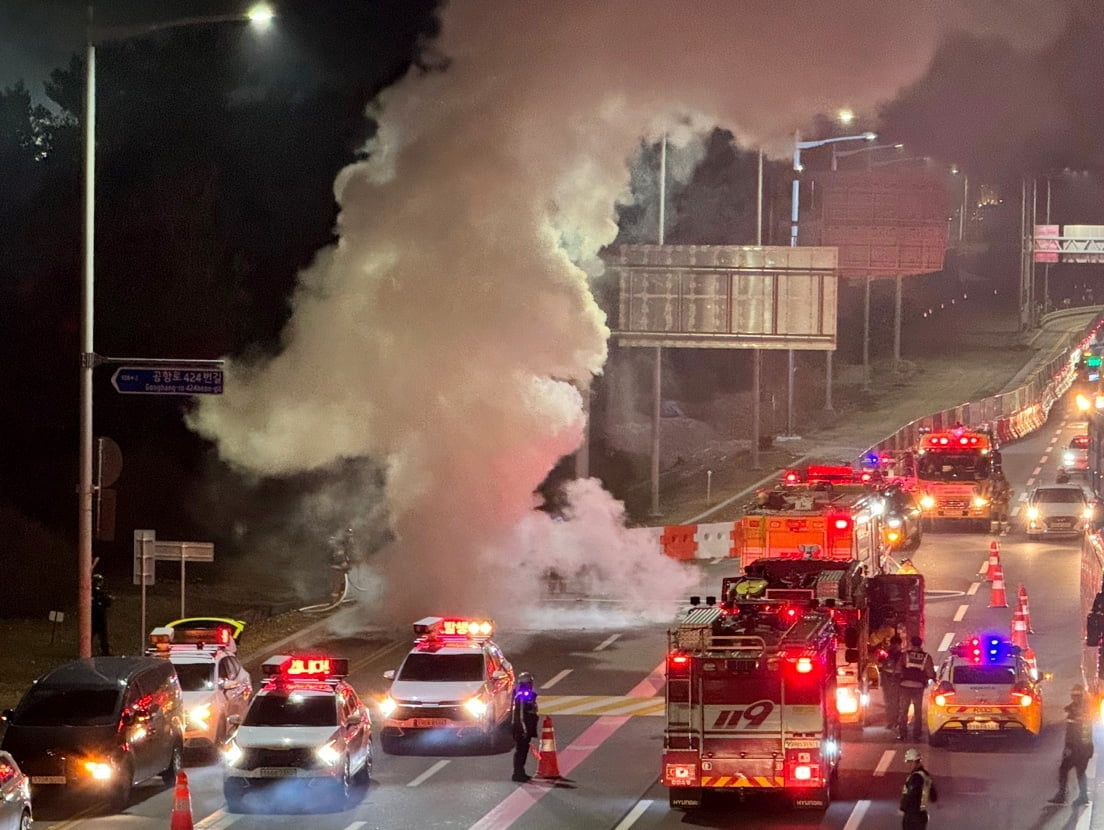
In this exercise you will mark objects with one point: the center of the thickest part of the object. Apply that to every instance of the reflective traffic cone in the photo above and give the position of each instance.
(1028, 655)
(548, 767)
(997, 599)
(994, 561)
(1025, 608)
(1019, 629)
(182, 805)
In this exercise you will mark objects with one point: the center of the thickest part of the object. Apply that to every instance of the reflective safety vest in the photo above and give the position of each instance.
(908, 803)
(914, 671)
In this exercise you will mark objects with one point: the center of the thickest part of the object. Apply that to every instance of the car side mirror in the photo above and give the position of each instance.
(355, 720)
(234, 720)
(499, 675)
(389, 674)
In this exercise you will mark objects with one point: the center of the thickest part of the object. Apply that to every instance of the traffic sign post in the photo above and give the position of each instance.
(184, 552)
(167, 380)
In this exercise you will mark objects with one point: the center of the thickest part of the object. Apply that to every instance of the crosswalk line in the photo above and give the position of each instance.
(595, 705)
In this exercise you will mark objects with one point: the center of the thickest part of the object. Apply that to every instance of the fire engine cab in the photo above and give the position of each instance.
(823, 512)
(959, 478)
(455, 681)
(750, 702)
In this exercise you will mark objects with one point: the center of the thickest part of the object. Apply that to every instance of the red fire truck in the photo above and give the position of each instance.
(960, 480)
(825, 512)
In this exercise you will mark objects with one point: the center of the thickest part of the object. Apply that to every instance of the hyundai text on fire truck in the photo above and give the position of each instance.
(984, 687)
(960, 479)
(859, 606)
(830, 512)
(454, 682)
(750, 702)
(306, 727)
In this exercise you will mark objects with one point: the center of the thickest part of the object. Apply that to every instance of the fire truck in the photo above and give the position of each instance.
(960, 479)
(827, 512)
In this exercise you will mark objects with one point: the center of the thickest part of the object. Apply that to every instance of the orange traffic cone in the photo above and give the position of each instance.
(994, 561)
(997, 599)
(1025, 608)
(1019, 629)
(182, 804)
(548, 766)
(1028, 655)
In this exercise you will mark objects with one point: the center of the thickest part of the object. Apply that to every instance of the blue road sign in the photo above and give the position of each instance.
(168, 380)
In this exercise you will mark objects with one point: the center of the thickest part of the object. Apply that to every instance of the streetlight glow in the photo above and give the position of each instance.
(261, 15)
(846, 116)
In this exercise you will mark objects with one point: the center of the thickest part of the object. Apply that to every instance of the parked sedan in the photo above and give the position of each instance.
(15, 795)
(1055, 510)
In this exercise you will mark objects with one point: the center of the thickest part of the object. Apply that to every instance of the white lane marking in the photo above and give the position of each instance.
(556, 679)
(636, 812)
(973, 589)
(1023, 496)
(960, 613)
(857, 814)
(945, 643)
(217, 820)
(1036, 471)
(984, 568)
(884, 762)
(717, 560)
(356, 825)
(433, 770)
(1030, 482)
(610, 640)
(1044, 459)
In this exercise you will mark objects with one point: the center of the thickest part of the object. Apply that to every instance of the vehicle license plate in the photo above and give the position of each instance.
(277, 772)
(426, 723)
(47, 779)
(983, 725)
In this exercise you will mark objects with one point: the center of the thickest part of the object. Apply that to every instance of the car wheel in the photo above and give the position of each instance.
(25, 820)
(176, 764)
(343, 790)
(120, 796)
(364, 774)
(235, 802)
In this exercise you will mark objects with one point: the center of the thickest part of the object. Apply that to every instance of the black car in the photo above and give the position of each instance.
(99, 725)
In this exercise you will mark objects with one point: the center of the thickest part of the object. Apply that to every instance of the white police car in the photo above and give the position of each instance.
(215, 684)
(306, 726)
(454, 681)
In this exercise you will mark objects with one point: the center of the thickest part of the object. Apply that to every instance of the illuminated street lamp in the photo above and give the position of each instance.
(261, 16)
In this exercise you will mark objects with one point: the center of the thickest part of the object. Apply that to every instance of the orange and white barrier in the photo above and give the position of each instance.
(548, 767)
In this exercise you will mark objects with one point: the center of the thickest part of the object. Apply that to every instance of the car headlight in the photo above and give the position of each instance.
(200, 715)
(328, 754)
(980, 501)
(1087, 513)
(387, 706)
(99, 770)
(1033, 513)
(232, 753)
(476, 706)
(893, 521)
(927, 502)
(1068, 458)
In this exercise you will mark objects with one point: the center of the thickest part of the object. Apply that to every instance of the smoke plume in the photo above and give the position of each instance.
(450, 331)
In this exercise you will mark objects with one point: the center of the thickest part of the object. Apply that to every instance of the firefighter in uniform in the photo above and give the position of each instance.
(1078, 748)
(523, 722)
(918, 792)
(889, 678)
(917, 670)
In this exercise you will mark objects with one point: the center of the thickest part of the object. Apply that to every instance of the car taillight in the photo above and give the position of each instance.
(803, 772)
(847, 701)
(943, 698)
(1026, 699)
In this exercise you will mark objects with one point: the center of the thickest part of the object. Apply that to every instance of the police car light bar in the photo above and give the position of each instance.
(305, 667)
(161, 638)
(454, 628)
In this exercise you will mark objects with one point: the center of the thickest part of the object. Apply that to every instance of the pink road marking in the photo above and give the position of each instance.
(515, 805)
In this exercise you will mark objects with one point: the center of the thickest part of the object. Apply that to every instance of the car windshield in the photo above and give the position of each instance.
(442, 668)
(293, 710)
(953, 466)
(196, 677)
(68, 707)
(983, 676)
(1060, 496)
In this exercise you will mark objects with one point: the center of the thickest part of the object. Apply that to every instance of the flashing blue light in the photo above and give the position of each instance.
(872, 458)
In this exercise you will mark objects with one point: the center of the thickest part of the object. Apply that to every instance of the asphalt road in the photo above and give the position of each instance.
(609, 747)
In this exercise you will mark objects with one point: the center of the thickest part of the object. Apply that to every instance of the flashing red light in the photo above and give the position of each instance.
(466, 628)
(308, 667)
(804, 665)
(841, 524)
(867, 476)
(791, 477)
(964, 440)
(679, 659)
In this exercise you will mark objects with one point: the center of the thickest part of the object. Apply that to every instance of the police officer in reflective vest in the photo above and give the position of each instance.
(917, 670)
(918, 792)
(1078, 748)
(523, 721)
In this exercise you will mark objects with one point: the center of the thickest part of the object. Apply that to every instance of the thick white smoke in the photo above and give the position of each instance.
(450, 329)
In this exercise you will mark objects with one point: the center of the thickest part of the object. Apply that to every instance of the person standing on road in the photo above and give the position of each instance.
(523, 721)
(1078, 748)
(889, 678)
(101, 601)
(917, 671)
(918, 792)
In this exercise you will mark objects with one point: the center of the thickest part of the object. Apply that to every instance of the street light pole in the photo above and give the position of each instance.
(259, 15)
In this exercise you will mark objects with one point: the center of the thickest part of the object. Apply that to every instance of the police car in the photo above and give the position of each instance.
(984, 687)
(455, 681)
(306, 726)
(215, 684)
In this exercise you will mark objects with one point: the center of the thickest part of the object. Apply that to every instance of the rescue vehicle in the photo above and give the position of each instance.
(750, 703)
(960, 480)
(824, 512)
(1092, 612)
(455, 681)
(215, 685)
(306, 728)
(984, 687)
(861, 607)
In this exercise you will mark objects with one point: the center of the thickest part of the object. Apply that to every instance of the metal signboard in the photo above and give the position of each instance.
(144, 567)
(726, 296)
(167, 380)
